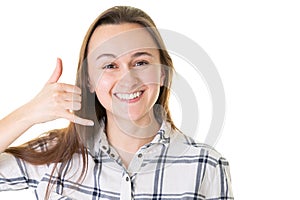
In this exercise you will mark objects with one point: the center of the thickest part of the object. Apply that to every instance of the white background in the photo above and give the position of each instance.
(255, 46)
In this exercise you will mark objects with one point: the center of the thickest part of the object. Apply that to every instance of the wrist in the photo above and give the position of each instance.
(24, 115)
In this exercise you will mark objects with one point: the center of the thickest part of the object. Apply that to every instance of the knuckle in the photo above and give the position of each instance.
(55, 86)
(77, 98)
(56, 97)
(77, 89)
(76, 106)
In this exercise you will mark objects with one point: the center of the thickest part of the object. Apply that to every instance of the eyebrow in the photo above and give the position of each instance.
(106, 55)
(135, 55)
(142, 53)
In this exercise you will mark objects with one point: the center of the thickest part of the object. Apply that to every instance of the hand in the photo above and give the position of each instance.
(57, 100)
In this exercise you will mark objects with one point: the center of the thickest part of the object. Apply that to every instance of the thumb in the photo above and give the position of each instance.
(57, 72)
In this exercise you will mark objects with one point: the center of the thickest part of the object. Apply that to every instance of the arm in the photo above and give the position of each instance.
(217, 182)
(13, 126)
(56, 100)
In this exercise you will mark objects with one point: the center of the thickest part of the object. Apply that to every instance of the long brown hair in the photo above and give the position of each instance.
(76, 137)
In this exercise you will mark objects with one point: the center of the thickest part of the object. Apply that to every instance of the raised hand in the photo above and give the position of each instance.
(57, 100)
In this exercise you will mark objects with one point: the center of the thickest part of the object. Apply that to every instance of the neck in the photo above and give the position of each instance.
(130, 136)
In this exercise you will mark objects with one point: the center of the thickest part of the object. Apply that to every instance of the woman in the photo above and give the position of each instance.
(121, 142)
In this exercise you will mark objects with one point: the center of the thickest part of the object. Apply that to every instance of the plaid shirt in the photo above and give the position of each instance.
(172, 166)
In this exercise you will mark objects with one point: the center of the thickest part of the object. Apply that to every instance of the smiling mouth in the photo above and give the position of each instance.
(129, 96)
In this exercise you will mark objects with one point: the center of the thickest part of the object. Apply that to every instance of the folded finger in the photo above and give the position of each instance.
(72, 105)
(78, 120)
(70, 88)
(71, 97)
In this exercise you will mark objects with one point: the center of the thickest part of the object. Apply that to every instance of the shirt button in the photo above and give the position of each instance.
(140, 155)
(104, 147)
(112, 155)
(127, 178)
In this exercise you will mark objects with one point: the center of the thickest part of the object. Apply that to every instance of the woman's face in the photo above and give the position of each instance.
(125, 71)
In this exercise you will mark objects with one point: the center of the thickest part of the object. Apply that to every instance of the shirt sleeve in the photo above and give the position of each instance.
(16, 174)
(217, 182)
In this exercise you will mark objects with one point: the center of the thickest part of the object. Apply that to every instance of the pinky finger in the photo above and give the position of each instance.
(82, 121)
(78, 120)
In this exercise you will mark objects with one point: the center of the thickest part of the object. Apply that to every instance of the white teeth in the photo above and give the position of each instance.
(126, 96)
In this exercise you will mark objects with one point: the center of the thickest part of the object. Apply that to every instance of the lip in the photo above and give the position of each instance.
(125, 96)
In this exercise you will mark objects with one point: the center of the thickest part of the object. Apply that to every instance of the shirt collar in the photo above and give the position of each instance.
(162, 137)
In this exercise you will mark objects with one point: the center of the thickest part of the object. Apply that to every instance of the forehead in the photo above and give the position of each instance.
(119, 39)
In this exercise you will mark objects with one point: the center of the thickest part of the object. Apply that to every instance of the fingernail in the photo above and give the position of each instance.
(90, 123)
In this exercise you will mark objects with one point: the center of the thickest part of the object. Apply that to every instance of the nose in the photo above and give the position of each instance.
(128, 81)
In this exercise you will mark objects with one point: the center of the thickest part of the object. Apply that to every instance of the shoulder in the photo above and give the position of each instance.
(211, 165)
(6, 159)
(190, 147)
(14, 167)
(182, 145)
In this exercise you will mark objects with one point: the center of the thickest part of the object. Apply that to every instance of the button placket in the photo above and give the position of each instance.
(104, 148)
(136, 162)
(125, 187)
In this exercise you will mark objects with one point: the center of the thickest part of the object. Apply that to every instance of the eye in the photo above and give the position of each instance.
(141, 63)
(110, 66)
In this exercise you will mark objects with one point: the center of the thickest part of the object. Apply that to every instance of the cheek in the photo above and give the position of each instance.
(154, 90)
(93, 78)
(151, 76)
(103, 89)
(103, 85)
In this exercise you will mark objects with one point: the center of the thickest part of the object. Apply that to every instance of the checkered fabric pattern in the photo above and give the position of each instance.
(173, 166)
